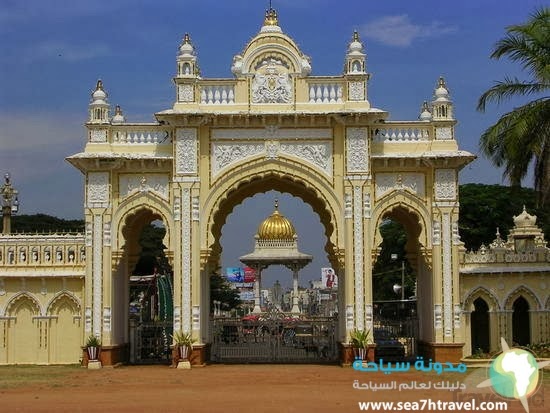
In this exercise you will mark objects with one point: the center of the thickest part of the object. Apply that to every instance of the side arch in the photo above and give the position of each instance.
(485, 294)
(129, 209)
(406, 206)
(527, 294)
(65, 331)
(15, 301)
(63, 296)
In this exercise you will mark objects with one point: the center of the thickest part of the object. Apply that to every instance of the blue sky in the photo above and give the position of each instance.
(54, 51)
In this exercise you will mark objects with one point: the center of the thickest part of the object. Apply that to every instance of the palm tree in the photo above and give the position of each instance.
(523, 135)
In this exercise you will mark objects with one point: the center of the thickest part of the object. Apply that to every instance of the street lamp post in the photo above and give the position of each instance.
(394, 257)
(10, 203)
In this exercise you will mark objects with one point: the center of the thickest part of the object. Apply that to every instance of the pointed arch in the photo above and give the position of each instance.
(20, 297)
(485, 294)
(527, 294)
(63, 296)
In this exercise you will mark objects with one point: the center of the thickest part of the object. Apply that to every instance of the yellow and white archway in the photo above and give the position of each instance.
(272, 126)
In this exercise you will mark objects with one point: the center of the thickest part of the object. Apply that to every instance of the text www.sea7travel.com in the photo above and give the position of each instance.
(435, 405)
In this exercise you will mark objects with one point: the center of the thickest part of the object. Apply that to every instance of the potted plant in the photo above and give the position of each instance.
(361, 342)
(93, 346)
(184, 343)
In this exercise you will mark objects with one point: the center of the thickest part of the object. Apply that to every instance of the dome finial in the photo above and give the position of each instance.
(356, 36)
(276, 204)
(271, 18)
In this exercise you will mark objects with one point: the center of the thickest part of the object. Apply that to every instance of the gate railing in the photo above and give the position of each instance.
(274, 337)
(150, 342)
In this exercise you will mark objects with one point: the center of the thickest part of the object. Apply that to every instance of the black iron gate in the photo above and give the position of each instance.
(150, 342)
(274, 337)
(396, 329)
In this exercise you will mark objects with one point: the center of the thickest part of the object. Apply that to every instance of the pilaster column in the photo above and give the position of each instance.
(257, 284)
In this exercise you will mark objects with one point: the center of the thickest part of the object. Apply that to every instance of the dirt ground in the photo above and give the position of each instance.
(229, 388)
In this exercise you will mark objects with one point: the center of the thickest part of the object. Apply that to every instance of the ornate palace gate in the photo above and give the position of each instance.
(272, 126)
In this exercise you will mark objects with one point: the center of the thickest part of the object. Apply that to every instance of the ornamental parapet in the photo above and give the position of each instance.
(41, 251)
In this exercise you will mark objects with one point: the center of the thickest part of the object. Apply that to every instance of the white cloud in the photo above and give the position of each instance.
(400, 31)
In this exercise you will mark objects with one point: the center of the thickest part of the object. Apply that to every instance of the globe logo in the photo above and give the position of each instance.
(514, 374)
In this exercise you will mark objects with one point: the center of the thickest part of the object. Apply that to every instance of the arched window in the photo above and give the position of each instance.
(521, 331)
(480, 326)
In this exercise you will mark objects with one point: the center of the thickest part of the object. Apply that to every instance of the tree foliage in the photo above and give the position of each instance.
(484, 208)
(522, 135)
(221, 291)
(43, 223)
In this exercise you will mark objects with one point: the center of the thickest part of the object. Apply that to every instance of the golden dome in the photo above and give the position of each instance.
(276, 226)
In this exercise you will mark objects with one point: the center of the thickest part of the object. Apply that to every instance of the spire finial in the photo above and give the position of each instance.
(271, 16)
(99, 85)
(276, 200)
(356, 36)
(186, 38)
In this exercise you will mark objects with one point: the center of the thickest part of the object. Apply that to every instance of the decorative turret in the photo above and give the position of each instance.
(425, 113)
(355, 57)
(187, 59)
(355, 70)
(99, 107)
(119, 117)
(442, 106)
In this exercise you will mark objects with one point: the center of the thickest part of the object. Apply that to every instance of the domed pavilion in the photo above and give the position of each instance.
(276, 243)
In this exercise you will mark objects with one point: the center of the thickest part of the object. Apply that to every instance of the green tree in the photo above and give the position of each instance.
(221, 291)
(522, 135)
(43, 223)
(387, 271)
(484, 208)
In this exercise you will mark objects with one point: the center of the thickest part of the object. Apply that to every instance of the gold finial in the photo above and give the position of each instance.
(186, 38)
(118, 110)
(356, 36)
(441, 82)
(99, 85)
(271, 17)
(276, 204)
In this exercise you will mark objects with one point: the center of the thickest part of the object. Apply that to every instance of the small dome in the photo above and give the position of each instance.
(119, 117)
(525, 219)
(186, 47)
(425, 114)
(441, 93)
(99, 95)
(276, 226)
(355, 45)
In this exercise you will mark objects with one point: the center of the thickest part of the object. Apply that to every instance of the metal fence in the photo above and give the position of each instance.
(150, 342)
(274, 337)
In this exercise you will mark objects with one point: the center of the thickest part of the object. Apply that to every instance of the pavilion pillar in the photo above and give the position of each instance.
(257, 308)
(295, 307)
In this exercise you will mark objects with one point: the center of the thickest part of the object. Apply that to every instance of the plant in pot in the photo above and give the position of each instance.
(93, 346)
(361, 341)
(184, 343)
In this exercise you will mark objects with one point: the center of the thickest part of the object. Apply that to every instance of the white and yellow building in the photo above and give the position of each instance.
(272, 126)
